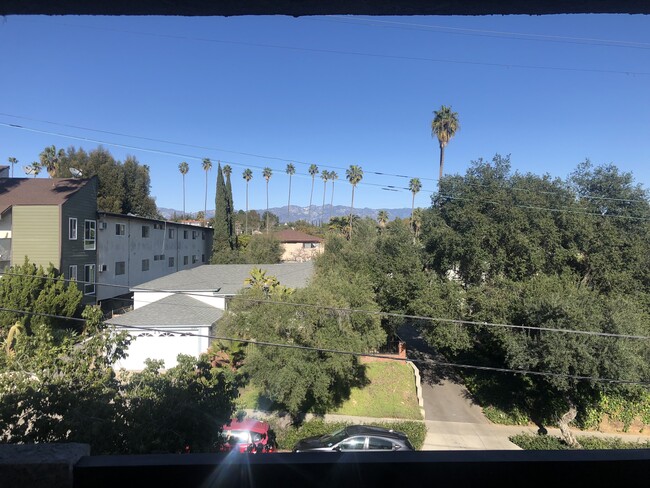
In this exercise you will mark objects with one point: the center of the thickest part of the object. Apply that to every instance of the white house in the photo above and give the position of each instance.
(174, 314)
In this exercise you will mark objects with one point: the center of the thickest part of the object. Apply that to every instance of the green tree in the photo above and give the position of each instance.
(184, 168)
(221, 248)
(248, 176)
(414, 187)
(303, 381)
(13, 161)
(333, 176)
(35, 168)
(444, 126)
(50, 159)
(325, 175)
(207, 166)
(267, 173)
(313, 171)
(354, 174)
(263, 249)
(291, 170)
(137, 182)
(227, 171)
(269, 221)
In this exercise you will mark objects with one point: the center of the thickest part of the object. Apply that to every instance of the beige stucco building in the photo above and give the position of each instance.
(299, 246)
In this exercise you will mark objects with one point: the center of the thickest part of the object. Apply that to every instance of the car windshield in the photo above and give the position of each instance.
(237, 436)
(334, 438)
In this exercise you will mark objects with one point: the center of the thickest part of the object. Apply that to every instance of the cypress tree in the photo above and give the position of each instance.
(221, 241)
(231, 210)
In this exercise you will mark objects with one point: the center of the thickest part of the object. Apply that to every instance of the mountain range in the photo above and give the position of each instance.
(303, 213)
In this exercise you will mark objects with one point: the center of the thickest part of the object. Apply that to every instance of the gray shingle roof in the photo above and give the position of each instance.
(228, 279)
(174, 310)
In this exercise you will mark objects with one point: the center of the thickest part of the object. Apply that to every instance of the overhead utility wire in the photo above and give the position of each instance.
(371, 55)
(521, 36)
(379, 173)
(345, 309)
(349, 353)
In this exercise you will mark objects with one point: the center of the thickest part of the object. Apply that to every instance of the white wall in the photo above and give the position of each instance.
(157, 345)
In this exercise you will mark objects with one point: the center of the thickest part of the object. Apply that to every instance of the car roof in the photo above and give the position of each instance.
(253, 425)
(372, 430)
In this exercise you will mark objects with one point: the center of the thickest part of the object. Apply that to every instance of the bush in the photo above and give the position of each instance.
(289, 437)
(546, 442)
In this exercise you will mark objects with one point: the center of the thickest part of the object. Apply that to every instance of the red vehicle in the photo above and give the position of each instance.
(249, 435)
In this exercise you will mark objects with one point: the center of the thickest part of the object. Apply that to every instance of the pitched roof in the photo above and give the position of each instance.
(228, 279)
(176, 310)
(290, 235)
(37, 191)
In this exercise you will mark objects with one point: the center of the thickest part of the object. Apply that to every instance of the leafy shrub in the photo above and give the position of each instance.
(289, 437)
(546, 442)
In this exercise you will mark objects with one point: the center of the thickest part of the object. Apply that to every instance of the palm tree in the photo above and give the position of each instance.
(207, 166)
(444, 126)
(382, 219)
(35, 168)
(313, 171)
(183, 168)
(227, 171)
(291, 170)
(13, 161)
(333, 177)
(267, 173)
(325, 175)
(50, 159)
(247, 175)
(416, 223)
(354, 174)
(414, 186)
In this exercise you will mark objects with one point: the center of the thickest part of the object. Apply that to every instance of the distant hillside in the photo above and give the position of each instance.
(302, 213)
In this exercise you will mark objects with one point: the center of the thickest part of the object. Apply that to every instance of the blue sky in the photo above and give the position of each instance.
(334, 91)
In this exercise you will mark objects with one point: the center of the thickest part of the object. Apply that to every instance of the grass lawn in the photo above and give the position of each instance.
(390, 393)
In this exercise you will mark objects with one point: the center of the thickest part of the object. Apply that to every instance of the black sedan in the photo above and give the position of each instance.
(356, 438)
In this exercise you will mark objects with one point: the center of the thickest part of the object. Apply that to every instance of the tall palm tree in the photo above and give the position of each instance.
(267, 173)
(414, 186)
(207, 166)
(183, 168)
(325, 176)
(333, 176)
(227, 171)
(13, 162)
(313, 171)
(354, 174)
(247, 175)
(291, 170)
(444, 126)
(416, 223)
(382, 219)
(35, 168)
(50, 159)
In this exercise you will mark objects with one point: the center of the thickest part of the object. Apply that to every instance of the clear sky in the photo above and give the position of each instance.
(334, 91)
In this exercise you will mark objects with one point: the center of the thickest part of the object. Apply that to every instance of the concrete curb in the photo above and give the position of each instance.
(418, 387)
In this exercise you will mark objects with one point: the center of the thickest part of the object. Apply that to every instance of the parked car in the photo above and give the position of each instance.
(357, 438)
(249, 435)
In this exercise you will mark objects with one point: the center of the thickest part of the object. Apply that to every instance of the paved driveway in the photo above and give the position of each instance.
(454, 421)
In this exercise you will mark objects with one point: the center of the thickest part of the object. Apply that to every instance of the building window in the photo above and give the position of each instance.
(203, 258)
(158, 257)
(194, 258)
(203, 235)
(90, 236)
(185, 233)
(186, 260)
(72, 229)
(157, 225)
(194, 234)
(120, 229)
(145, 231)
(72, 272)
(171, 262)
(120, 268)
(310, 245)
(171, 233)
(145, 265)
(89, 279)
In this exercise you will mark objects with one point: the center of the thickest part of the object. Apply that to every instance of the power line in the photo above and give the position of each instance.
(370, 55)
(487, 33)
(346, 310)
(353, 353)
